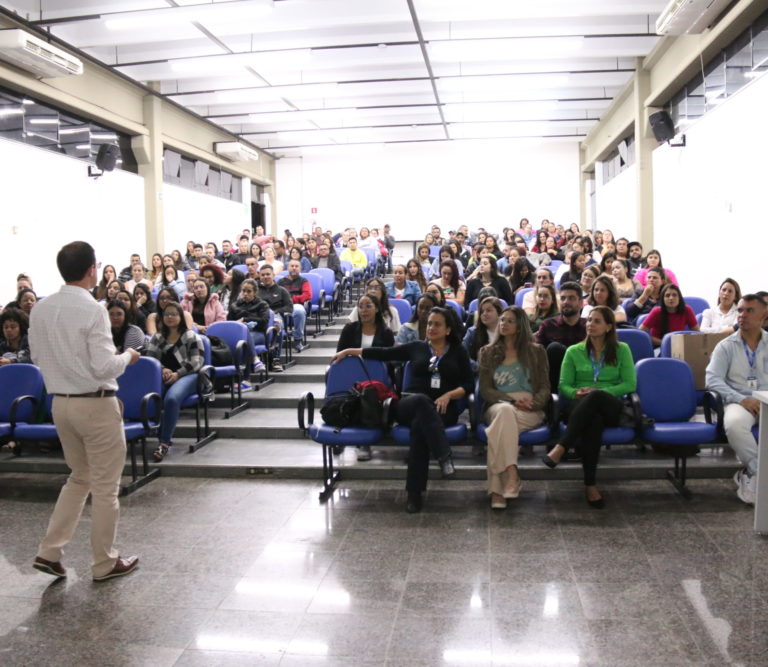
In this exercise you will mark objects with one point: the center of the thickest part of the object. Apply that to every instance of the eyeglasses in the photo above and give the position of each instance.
(171, 313)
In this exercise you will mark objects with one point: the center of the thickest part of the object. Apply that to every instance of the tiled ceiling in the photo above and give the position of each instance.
(287, 74)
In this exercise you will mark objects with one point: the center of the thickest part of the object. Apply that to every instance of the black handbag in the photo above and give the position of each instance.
(221, 355)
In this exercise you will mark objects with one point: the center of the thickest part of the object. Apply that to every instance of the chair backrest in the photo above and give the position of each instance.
(370, 253)
(206, 348)
(404, 309)
(139, 379)
(280, 275)
(458, 309)
(19, 380)
(329, 279)
(434, 251)
(641, 318)
(665, 350)
(343, 374)
(519, 296)
(699, 318)
(230, 332)
(554, 265)
(474, 303)
(241, 267)
(639, 342)
(666, 389)
(346, 266)
(316, 282)
(697, 304)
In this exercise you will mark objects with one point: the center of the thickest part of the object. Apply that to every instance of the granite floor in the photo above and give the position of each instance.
(252, 572)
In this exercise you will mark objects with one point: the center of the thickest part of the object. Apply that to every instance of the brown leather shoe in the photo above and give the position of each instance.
(122, 567)
(49, 567)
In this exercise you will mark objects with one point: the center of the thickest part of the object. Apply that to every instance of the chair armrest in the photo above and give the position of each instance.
(713, 400)
(387, 414)
(242, 356)
(321, 300)
(270, 335)
(147, 399)
(15, 407)
(205, 377)
(306, 403)
(553, 413)
(637, 410)
(472, 413)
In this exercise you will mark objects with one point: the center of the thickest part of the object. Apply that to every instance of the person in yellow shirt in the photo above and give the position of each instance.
(354, 256)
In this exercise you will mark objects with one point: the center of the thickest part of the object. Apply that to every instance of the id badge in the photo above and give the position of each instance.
(752, 382)
(435, 383)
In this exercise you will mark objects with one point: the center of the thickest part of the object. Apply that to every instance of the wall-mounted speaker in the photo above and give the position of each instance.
(107, 157)
(662, 126)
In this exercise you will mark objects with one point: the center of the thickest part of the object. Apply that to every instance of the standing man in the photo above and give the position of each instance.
(738, 368)
(71, 341)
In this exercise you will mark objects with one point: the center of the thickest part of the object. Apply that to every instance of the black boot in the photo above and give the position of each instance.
(413, 506)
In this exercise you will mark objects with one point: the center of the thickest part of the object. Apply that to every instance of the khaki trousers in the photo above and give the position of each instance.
(93, 440)
(506, 422)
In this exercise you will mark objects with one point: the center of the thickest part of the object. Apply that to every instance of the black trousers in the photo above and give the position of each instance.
(555, 354)
(427, 435)
(587, 417)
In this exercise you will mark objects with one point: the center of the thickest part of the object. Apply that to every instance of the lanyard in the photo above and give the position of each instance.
(751, 358)
(433, 366)
(596, 367)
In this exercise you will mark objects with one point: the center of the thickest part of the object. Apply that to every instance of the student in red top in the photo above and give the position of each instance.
(672, 315)
(300, 290)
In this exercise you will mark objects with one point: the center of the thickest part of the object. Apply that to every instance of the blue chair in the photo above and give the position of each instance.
(318, 303)
(339, 379)
(613, 435)
(140, 390)
(541, 435)
(665, 349)
(554, 265)
(235, 335)
(402, 434)
(241, 267)
(668, 396)
(332, 289)
(404, 309)
(697, 304)
(457, 308)
(434, 251)
(640, 343)
(371, 255)
(640, 319)
(699, 318)
(354, 280)
(45, 431)
(21, 392)
(520, 295)
(473, 305)
(625, 305)
(204, 394)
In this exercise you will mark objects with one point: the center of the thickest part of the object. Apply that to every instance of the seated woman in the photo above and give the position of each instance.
(295, 253)
(271, 259)
(578, 262)
(485, 330)
(375, 287)
(541, 241)
(156, 268)
(369, 330)
(214, 276)
(233, 279)
(652, 261)
(402, 288)
(594, 376)
(449, 281)
(124, 334)
(514, 383)
(487, 275)
(671, 315)
(14, 347)
(546, 306)
(626, 287)
(415, 274)
(25, 300)
(254, 312)
(179, 261)
(446, 253)
(606, 264)
(165, 296)
(189, 281)
(170, 279)
(522, 273)
(436, 292)
(588, 277)
(134, 314)
(143, 298)
(722, 318)
(108, 275)
(416, 327)
(552, 249)
(255, 250)
(650, 297)
(440, 378)
(603, 293)
(139, 276)
(204, 307)
(424, 259)
(180, 352)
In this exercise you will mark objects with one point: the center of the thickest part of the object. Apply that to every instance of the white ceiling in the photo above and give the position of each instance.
(294, 73)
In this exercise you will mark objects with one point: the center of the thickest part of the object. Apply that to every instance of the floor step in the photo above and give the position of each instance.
(277, 395)
(314, 356)
(254, 423)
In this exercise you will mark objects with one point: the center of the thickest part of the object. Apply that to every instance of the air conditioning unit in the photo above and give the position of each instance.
(37, 56)
(689, 17)
(235, 151)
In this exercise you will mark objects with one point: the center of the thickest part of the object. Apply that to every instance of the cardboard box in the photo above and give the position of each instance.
(695, 350)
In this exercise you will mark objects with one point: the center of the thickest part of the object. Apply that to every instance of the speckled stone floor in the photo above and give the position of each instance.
(247, 572)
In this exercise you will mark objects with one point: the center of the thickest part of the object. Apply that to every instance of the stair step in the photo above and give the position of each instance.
(254, 423)
(277, 395)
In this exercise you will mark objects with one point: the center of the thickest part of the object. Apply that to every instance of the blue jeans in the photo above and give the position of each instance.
(173, 396)
(299, 318)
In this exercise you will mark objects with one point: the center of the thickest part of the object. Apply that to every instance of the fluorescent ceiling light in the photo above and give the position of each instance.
(289, 60)
(269, 93)
(503, 49)
(501, 84)
(497, 110)
(104, 136)
(242, 10)
(74, 130)
(44, 121)
(11, 111)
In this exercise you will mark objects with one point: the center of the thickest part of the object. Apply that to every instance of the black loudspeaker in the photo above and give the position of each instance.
(662, 126)
(107, 157)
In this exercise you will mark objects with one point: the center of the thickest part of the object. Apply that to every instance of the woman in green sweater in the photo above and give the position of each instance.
(594, 376)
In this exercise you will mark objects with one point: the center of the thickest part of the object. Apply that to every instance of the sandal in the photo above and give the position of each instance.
(160, 453)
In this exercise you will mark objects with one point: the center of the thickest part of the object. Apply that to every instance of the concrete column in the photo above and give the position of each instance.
(584, 222)
(644, 145)
(149, 155)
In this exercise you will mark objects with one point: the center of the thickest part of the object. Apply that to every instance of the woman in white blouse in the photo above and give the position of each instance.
(722, 318)
(603, 293)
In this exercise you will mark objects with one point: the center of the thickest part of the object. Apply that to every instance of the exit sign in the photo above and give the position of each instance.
(313, 210)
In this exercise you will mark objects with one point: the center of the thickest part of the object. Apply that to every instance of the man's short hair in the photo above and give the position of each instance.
(571, 286)
(244, 237)
(352, 238)
(267, 267)
(759, 296)
(74, 260)
(198, 245)
(633, 244)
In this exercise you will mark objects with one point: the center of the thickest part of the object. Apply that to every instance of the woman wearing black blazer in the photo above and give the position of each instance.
(440, 379)
(370, 330)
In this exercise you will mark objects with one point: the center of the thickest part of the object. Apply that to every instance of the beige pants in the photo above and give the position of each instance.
(506, 422)
(93, 440)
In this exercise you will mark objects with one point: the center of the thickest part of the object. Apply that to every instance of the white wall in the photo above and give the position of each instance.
(711, 197)
(616, 204)
(189, 215)
(485, 183)
(49, 200)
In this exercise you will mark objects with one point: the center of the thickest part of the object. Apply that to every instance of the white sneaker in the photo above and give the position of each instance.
(747, 489)
(737, 477)
(364, 453)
